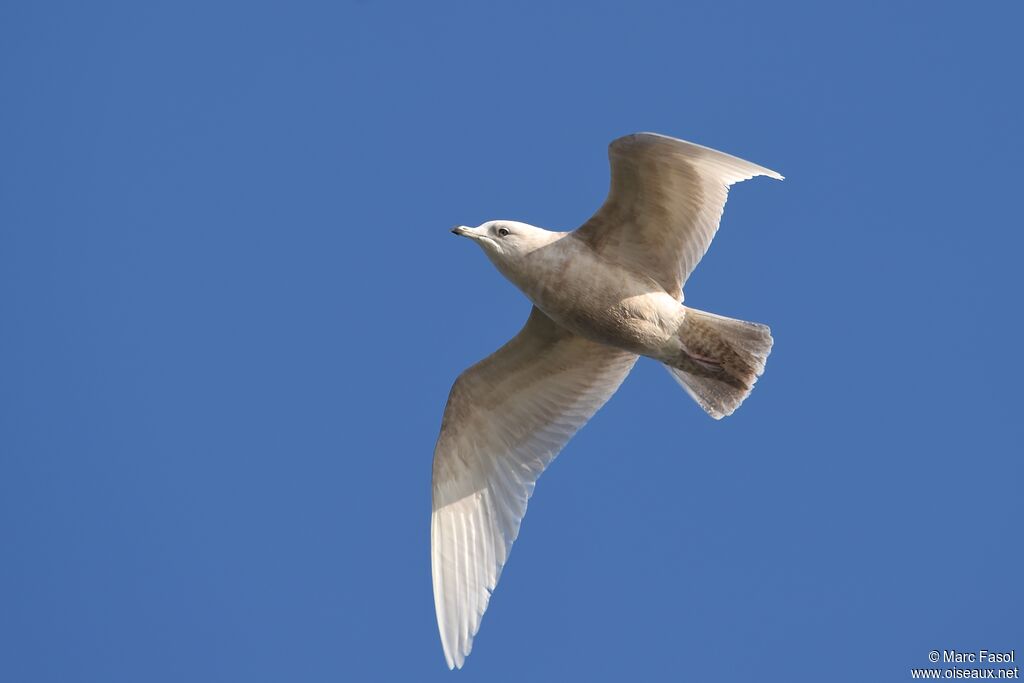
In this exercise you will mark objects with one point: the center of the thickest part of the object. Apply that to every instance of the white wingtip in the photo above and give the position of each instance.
(740, 168)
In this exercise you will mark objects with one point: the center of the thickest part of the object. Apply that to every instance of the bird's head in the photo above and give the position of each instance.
(506, 243)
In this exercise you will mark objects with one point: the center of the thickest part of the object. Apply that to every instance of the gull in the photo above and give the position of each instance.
(603, 295)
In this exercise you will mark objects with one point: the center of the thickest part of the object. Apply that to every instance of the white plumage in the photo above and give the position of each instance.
(602, 295)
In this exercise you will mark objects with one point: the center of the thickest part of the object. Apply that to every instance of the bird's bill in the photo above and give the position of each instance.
(478, 235)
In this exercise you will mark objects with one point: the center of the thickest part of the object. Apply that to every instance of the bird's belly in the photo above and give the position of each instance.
(598, 299)
(643, 323)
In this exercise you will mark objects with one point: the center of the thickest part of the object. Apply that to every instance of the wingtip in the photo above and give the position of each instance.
(455, 660)
(651, 137)
(767, 172)
(453, 657)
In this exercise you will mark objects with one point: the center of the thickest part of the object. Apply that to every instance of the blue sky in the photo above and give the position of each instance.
(231, 313)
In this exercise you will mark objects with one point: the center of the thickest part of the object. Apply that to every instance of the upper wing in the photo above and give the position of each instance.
(663, 208)
(507, 417)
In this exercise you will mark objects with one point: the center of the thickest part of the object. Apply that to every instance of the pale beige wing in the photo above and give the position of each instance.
(664, 205)
(507, 417)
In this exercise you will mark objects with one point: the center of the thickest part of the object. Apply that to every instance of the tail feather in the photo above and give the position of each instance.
(721, 360)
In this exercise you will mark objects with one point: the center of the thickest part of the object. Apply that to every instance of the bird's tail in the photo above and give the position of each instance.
(720, 361)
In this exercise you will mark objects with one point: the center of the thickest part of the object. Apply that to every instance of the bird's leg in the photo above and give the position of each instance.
(701, 358)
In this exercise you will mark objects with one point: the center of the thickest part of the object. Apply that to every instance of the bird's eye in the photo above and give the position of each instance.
(502, 232)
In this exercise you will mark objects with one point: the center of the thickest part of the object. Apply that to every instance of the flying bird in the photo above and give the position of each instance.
(603, 295)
